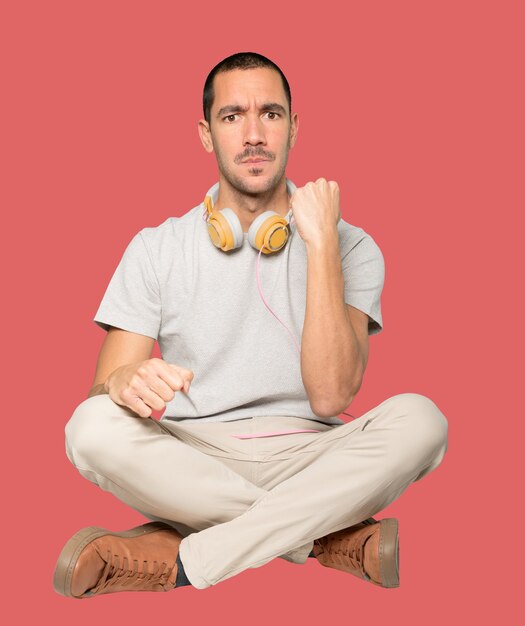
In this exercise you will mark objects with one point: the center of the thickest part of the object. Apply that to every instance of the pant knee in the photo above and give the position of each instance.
(426, 418)
(424, 425)
(87, 428)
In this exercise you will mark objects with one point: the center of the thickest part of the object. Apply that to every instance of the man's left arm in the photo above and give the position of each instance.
(334, 345)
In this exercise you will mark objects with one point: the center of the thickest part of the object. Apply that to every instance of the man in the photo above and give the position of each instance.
(249, 460)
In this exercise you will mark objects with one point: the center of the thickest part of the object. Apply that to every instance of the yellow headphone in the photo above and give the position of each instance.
(269, 231)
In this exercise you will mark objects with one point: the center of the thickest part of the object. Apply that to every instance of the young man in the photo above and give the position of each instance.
(249, 460)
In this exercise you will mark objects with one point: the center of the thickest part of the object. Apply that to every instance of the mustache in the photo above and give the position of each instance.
(254, 155)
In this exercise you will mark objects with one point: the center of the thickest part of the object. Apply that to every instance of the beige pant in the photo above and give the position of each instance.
(239, 503)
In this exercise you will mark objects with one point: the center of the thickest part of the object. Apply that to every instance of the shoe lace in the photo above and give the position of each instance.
(115, 574)
(340, 550)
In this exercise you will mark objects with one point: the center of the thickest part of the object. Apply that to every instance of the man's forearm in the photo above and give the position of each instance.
(329, 348)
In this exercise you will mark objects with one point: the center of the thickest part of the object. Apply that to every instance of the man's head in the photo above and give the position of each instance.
(247, 115)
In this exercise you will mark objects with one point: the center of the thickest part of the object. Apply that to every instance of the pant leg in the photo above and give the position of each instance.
(338, 479)
(145, 466)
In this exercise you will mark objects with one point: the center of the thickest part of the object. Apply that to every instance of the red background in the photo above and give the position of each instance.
(416, 110)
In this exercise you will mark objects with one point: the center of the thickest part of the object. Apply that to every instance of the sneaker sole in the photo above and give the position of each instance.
(389, 552)
(68, 557)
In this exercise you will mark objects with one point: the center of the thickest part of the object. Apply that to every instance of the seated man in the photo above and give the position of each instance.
(250, 460)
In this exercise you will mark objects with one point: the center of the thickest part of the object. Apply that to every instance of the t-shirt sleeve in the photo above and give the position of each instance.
(132, 299)
(364, 275)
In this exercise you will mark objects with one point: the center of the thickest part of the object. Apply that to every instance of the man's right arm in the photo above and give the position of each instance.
(120, 347)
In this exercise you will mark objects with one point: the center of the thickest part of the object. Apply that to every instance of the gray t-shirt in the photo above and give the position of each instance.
(203, 307)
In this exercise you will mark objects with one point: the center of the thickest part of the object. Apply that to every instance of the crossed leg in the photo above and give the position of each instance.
(140, 462)
(354, 471)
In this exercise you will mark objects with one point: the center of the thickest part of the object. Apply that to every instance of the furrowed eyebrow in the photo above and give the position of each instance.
(236, 108)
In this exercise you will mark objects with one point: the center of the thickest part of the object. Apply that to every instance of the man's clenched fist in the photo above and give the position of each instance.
(147, 385)
(315, 208)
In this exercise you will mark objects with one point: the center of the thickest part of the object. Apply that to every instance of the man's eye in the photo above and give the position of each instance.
(231, 117)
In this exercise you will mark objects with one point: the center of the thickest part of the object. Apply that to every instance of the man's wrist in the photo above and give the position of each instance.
(98, 390)
(328, 240)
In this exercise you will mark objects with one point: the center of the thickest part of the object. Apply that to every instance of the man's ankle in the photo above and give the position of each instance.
(181, 579)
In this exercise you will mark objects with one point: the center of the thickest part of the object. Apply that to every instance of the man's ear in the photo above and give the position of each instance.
(205, 135)
(294, 128)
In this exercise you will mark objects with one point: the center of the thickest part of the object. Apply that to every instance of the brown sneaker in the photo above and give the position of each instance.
(369, 550)
(96, 561)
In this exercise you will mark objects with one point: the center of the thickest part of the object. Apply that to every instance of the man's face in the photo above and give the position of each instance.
(249, 119)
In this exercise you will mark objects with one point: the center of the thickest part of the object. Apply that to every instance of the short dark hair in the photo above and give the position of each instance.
(239, 61)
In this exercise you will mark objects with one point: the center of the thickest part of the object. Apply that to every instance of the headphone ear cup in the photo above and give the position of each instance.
(268, 231)
(225, 230)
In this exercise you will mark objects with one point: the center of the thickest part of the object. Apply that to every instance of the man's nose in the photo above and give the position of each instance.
(254, 131)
